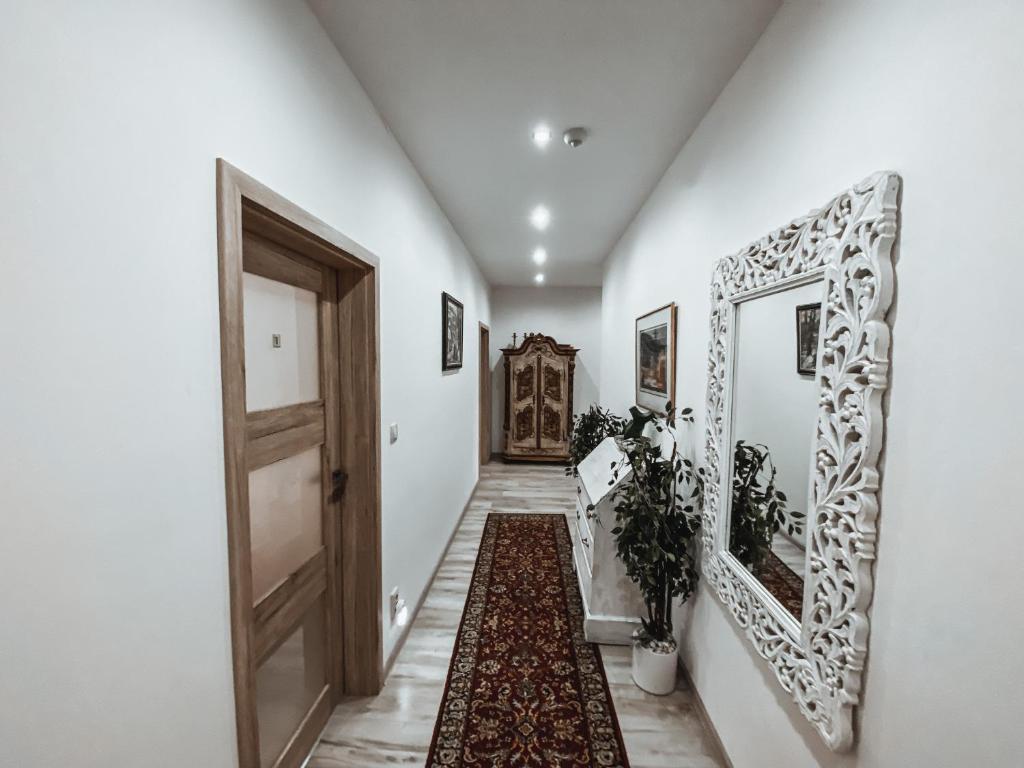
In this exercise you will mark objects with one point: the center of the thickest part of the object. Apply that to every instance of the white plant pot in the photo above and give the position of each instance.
(654, 671)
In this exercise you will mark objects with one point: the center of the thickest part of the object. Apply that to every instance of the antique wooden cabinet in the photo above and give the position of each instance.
(538, 398)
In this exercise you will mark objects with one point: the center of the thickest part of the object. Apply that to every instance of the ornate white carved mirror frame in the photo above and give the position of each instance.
(848, 245)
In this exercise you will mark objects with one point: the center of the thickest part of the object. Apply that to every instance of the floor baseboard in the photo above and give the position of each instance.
(703, 713)
(400, 643)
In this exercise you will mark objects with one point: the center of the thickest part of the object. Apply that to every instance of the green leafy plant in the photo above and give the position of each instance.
(657, 516)
(588, 430)
(758, 507)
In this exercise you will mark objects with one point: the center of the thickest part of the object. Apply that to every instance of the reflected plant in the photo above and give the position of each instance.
(657, 516)
(588, 430)
(758, 507)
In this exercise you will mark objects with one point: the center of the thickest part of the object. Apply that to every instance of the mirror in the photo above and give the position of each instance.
(774, 412)
(798, 364)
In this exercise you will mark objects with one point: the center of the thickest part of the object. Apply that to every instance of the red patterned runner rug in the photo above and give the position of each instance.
(524, 687)
(786, 586)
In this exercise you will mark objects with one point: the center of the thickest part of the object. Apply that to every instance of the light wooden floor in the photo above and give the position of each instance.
(395, 727)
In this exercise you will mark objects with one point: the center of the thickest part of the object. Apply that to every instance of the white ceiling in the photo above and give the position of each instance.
(461, 84)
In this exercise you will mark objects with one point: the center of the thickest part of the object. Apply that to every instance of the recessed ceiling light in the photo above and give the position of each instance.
(540, 256)
(540, 217)
(538, 278)
(541, 136)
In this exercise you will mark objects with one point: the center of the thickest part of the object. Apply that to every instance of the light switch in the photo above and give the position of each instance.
(393, 431)
(275, 340)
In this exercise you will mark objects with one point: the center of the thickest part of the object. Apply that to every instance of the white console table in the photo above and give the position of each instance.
(611, 602)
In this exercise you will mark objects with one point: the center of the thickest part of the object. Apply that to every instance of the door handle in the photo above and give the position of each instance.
(339, 479)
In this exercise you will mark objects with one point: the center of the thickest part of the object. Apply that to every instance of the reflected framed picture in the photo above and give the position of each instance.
(451, 332)
(808, 321)
(656, 359)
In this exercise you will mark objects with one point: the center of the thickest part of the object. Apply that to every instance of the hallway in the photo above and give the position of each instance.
(395, 727)
(279, 276)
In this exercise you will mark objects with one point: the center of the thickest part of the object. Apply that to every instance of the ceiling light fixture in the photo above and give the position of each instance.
(538, 278)
(575, 136)
(540, 217)
(541, 136)
(540, 256)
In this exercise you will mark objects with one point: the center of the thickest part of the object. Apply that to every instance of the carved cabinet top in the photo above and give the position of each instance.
(532, 341)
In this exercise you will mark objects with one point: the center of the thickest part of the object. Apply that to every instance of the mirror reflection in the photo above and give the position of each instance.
(774, 413)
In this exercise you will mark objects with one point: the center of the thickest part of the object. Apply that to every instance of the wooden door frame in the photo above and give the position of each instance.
(486, 417)
(244, 202)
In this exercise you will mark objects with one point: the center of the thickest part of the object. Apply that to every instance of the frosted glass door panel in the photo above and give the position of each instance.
(285, 518)
(290, 373)
(288, 684)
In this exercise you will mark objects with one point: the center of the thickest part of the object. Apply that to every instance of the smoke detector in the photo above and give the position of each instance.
(575, 136)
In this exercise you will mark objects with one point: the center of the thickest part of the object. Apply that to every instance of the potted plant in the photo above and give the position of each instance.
(588, 430)
(758, 507)
(657, 520)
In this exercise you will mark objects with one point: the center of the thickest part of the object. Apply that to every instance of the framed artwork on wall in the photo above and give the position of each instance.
(655, 357)
(808, 321)
(452, 317)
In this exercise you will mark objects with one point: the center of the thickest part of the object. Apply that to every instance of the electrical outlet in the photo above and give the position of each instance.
(393, 432)
(395, 600)
(399, 613)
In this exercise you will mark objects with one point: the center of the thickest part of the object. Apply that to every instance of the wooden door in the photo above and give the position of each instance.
(485, 394)
(552, 414)
(295, 485)
(299, 406)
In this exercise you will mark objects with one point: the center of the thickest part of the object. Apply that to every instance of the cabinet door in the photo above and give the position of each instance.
(523, 404)
(554, 402)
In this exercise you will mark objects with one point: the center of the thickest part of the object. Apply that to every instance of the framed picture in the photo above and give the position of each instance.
(656, 359)
(808, 321)
(451, 333)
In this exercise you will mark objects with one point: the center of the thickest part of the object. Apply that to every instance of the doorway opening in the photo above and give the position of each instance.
(301, 398)
(485, 394)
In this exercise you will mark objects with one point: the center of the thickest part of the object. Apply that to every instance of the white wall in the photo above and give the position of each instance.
(113, 551)
(570, 315)
(831, 93)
